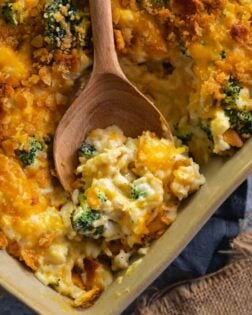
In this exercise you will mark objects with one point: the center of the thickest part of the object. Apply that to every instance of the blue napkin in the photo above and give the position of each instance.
(202, 255)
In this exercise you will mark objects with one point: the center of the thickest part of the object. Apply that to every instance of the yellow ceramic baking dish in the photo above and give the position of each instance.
(222, 177)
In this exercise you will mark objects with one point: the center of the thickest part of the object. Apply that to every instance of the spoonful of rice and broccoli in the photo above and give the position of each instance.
(108, 99)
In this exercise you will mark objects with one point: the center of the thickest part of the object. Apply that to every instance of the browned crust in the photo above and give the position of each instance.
(240, 33)
(3, 241)
(88, 298)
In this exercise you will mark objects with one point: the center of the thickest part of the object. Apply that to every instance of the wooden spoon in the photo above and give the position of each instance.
(109, 98)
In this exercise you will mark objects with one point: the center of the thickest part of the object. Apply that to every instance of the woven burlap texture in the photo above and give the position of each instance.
(226, 292)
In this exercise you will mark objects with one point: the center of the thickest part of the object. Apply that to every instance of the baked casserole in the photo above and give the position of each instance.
(192, 58)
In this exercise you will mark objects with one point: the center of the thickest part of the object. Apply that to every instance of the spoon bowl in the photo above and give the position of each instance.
(108, 99)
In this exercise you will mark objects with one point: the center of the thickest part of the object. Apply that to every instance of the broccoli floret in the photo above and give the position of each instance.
(184, 50)
(10, 14)
(205, 126)
(87, 150)
(183, 133)
(83, 219)
(240, 120)
(62, 22)
(28, 157)
(82, 200)
(231, 91)
(101, 196)
(223, 54)
(99, 231)
(136, 193)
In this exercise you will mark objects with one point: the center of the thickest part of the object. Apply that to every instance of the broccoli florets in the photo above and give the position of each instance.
(101, 196)
(10, 14)
(82, 200)
(63, 23)
(205, 126)
(231, 91)
(185, 51)
(87, 150)
(28, 157)
(83, 219)
(223, 54)
(183, 133)
(240, 120)
(136, 193)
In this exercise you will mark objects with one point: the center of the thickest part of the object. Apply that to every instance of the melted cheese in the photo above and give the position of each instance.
(138, 179)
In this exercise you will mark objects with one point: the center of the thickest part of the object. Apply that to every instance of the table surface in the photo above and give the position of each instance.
(10, 306)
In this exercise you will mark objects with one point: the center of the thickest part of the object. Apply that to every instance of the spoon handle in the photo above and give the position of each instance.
(105, 57)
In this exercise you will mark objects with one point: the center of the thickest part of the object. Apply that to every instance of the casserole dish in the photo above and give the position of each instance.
(45, 49)
(222, 177)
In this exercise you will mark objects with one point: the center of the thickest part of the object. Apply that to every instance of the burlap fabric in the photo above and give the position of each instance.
(226, 292)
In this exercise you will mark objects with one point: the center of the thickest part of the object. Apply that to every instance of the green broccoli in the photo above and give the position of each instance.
(223, 54)
(87, 150)
(205, 126)
(101, 196)
(231, 91)
(10, 15)
(185, 51)
(28, 157)
(62, 20)
(136, 193)
(83, 219)
(240, 120)
(183, 133)
(82, 200)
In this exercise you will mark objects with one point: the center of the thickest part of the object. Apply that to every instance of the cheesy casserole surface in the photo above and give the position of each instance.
(135, 184)
(128, 193)
(193, 58)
